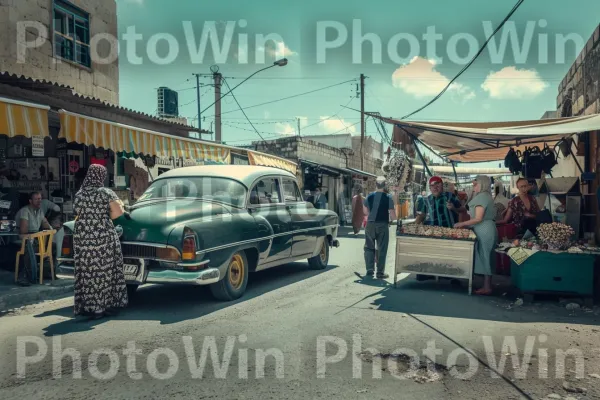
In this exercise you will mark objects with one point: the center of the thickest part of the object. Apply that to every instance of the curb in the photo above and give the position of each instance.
(12, 301)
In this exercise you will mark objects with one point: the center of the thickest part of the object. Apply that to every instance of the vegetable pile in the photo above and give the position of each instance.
(437, 232)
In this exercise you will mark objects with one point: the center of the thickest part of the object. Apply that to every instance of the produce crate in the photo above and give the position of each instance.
(555, 273)
(447, 258)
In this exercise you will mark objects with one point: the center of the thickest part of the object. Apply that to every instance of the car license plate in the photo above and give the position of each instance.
(130, 269)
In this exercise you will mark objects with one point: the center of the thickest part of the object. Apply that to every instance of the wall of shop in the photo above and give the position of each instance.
(99, 81)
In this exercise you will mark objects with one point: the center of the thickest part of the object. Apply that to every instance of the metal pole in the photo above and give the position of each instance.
(217, 77)
(422, 158)
(198, 99)
(362, 120)
(455, 174)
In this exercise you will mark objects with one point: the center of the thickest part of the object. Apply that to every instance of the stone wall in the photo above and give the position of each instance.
(299, 148)
(99, 81)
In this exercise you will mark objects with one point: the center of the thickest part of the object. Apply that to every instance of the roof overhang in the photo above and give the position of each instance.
(489, 141)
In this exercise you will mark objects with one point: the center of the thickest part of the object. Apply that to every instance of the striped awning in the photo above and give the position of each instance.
(126, 139)
(23, 119)
(271, 161)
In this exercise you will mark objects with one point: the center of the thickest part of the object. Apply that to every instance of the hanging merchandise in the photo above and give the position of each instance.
(533, 163)
(397, 170)
(549, 159)
(513, 162)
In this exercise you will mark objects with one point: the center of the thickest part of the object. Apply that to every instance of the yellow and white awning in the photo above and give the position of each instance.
(23, 119)
(122, 138)
(272, 161)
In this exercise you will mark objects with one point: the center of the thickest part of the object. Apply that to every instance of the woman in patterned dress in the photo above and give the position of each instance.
(100, 287)
(522, 209)
(483, 214)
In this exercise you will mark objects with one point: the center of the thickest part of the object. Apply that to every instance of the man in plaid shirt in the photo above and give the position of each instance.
(438, 209)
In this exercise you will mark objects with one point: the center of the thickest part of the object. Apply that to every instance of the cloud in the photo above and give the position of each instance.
(285, 128)
(277, 50)
(420, 79)
(511, 83)
(337, 125)
(303, 120)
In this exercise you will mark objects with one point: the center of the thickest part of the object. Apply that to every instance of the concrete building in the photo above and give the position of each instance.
(50, 40)
(350, 144)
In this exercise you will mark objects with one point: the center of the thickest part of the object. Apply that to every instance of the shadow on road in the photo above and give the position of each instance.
(170, 304)
(443, 299)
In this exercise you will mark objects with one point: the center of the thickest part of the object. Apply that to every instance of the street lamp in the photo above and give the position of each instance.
(279, 63)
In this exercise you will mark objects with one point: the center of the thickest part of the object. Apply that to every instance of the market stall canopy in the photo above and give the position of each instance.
(23, 119)
(489, 141)
(441, 169)
(255, 158)
(122, 138)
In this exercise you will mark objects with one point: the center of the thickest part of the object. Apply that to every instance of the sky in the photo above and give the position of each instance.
(403, 73)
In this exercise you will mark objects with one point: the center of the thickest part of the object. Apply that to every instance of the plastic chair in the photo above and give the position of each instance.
(45, 250)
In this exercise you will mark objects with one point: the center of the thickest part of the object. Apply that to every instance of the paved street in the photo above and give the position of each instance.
(302, 319)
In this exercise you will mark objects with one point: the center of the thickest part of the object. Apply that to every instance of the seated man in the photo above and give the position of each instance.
(30, 219)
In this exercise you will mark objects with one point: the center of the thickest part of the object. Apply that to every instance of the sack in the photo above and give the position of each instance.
(532, 163)
(549, 159)
(512, 162)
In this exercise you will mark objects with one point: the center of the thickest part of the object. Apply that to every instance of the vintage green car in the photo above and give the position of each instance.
(213, 225)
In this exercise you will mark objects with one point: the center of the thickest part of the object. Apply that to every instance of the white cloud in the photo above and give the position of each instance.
(337, 125)
(276, 50)
(303, 120)
(420, 79)
(285, 128)
(511, 83)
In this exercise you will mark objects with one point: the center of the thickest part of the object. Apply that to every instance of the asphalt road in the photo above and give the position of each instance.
(300, 334)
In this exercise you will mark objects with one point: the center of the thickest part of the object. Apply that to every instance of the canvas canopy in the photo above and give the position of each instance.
(488, 141)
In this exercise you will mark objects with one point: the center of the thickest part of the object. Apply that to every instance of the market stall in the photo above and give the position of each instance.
(552, 263)
(435, 251)
(529, 149)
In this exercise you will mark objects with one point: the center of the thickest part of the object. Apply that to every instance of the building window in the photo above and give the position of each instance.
(71, 33)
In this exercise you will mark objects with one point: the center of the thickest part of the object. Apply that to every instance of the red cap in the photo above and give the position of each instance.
(435, 179)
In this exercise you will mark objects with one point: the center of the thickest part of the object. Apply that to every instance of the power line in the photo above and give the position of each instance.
(289, 97)
(334, 115)
(462, 71)
(242, 110)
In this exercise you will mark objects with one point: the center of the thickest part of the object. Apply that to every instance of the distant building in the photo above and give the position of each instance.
(168, 103)
(550, 115)
(64, 54)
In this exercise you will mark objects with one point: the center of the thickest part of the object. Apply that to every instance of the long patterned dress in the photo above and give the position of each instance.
(99, 279)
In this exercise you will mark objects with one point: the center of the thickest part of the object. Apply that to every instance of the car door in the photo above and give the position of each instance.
(266, 204)
(304, 219)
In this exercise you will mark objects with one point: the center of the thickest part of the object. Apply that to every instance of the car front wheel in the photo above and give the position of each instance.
(233, 285)
(321, 260)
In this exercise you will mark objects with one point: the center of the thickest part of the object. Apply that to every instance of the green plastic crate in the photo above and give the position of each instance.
(546, 272)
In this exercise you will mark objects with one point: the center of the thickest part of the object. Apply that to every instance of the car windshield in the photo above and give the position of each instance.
(223, 190)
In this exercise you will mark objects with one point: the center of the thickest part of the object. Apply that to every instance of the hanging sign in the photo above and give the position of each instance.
(37, 146)
(73, 167)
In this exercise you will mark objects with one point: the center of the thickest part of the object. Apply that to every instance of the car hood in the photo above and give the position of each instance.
(154, 221)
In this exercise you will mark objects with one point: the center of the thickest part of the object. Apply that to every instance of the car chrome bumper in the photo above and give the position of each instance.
(204, 277)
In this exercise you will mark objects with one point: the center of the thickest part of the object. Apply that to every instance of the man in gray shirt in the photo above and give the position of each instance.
(30, 219)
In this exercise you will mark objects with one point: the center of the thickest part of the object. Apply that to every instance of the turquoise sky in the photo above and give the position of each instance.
(517, 89)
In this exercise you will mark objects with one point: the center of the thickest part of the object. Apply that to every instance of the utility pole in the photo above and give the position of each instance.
(362, 121)
(298, 126)
(217, 78)
(198, 99)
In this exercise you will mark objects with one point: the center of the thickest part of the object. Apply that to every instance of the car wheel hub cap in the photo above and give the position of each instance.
(324, 252)
(236, 271)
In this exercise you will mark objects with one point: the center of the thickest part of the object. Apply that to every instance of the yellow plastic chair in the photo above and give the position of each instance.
(45, 250)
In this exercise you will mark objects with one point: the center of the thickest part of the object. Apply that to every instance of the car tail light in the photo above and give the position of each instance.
(188, 252)
(67, 246)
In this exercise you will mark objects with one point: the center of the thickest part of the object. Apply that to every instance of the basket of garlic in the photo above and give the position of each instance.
(556, 236)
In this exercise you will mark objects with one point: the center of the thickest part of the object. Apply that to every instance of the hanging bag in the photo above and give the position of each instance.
(512, 162)
(549, 159)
